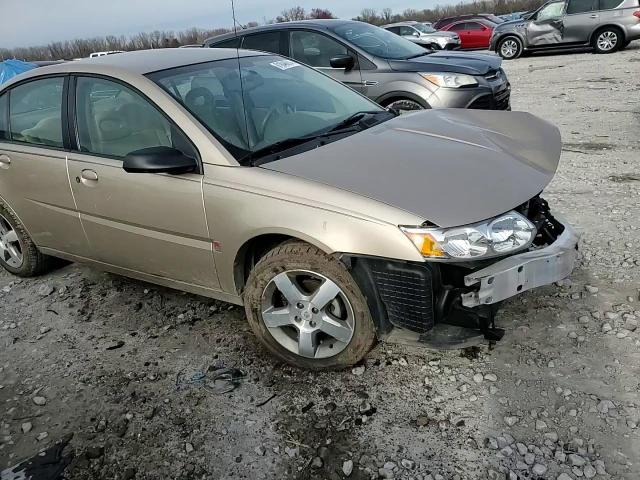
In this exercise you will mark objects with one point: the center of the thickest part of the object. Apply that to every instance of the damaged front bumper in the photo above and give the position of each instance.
(519, 273)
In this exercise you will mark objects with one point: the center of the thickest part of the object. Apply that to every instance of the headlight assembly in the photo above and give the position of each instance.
(450, 80)
(501, 235)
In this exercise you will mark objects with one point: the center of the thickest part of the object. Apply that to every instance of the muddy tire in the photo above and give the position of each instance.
(607, 40)
(307, 310)
(18, 254)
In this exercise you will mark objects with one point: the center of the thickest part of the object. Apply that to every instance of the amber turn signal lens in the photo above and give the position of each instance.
(426, 244)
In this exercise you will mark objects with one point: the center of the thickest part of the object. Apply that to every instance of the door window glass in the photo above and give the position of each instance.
(4, 105)
(231, 43)
(609, 4)
(36, 112)
(458, 27)
(553, 10)
(113, 120)
(268, 42)
(407, 31)
(314, 49)
(395, 30)
(581, 6)
(473, 26)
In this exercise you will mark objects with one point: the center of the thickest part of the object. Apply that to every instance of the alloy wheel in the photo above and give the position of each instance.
(308, 314)
(607, 41)
(509, 48)
(405, 105)
(10, 247)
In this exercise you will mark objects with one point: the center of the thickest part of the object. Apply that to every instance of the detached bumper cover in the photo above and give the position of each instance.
(522, 272)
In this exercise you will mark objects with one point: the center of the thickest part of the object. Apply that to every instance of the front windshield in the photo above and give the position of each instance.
(423, 28)
(274, 99)
(378, 41)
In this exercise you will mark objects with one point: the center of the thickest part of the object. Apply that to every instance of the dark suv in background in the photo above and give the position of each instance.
(390, 70)
(604, 25)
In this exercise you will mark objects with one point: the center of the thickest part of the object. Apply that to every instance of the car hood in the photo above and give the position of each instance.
(471, 63)
(450, 166)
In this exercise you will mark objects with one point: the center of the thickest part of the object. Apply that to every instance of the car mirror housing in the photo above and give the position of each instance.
(159, 160)
(342, 61)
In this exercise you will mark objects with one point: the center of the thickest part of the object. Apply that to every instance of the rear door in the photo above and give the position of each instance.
(466, 41)
(33, 163)
(151, 223)
(316, 49)
(580, 20)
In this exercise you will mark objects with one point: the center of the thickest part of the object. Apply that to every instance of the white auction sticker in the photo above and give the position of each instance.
(284, 64)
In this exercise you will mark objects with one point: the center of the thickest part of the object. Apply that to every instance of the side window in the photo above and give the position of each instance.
(404, 31)
(473, 26)
(458, 27)
(4, 106)
(581, 6)
(609, 4)
(113, 120)
(268, 42)
(314, 48)
(36, 112)
(551, 11)
(231, 43)
(395, 30)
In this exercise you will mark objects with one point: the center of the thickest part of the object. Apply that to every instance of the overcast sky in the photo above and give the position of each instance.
(38, 22)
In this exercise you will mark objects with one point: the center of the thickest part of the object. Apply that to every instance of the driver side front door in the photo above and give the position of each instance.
(316, 50)
(547, 28)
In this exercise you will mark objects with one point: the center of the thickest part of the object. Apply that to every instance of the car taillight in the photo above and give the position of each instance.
(636, 13)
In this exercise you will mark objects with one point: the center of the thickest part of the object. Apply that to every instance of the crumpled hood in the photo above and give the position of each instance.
(450, 166)
(470, 63)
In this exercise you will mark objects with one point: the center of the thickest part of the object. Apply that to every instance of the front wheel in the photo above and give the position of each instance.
(607, 40)
(510, 48)
(403, 105)
(305, 307)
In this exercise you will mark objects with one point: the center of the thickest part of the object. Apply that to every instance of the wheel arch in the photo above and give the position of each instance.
(504, 35)
(402, 95)
(255, 247)
(600, 28)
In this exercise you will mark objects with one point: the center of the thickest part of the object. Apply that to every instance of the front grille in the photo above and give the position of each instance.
(499, 101)
(407, 294)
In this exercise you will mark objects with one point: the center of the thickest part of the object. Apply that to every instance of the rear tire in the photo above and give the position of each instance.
(509, 48)
(268, 295)
(607, 40)
(18, 254)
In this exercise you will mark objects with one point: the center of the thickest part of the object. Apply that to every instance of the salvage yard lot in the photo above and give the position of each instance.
(127, 367)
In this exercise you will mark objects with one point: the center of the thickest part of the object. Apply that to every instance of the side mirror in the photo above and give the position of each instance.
(416, 34)
(159, 160)
(342, 61)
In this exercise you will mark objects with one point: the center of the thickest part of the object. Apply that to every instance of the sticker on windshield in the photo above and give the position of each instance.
(284, 64)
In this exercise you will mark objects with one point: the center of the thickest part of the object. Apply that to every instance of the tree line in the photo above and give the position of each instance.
(82, 47)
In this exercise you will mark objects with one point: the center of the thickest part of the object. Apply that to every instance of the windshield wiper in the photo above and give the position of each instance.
(426, 52)
(354, 118)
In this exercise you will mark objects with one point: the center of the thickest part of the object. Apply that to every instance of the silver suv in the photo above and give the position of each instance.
(604, 25)
(388, 69)
(425, 35)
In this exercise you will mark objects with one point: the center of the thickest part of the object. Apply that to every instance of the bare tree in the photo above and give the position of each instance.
(291, 14)
(320, 13)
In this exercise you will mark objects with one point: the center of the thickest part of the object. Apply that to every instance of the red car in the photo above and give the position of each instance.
(474, 34)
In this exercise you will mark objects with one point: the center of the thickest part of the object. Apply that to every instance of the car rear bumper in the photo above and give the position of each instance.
(519, 273)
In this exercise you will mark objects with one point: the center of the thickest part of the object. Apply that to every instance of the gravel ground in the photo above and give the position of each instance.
(130, 369)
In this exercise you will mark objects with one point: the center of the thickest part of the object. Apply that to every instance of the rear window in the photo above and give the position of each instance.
(581, 6)
(609, 4)
(4, 106)
(267, 42)
(230, 43)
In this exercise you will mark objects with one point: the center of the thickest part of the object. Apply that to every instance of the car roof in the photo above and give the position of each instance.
(141, 62)
(399, 24)
(316, 23)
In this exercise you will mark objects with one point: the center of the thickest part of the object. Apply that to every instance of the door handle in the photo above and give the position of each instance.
(593, 15)
(87, 177)
(5, 161)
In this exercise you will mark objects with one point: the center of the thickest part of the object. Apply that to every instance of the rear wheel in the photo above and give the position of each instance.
(305, 307)
(510, 48)
(18, 254)
(403, 105)
(607, 40)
